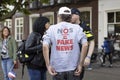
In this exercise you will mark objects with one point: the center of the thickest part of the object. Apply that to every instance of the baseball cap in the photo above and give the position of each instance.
(75, 11)
(64, 10)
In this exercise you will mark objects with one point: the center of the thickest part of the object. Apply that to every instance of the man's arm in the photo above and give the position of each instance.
(91, 48)
(90, 52)
(83, 53)
(47, 60)
(82, 58)
(46, 54)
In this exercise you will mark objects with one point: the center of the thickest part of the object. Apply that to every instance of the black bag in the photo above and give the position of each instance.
(22, 55)
(38, 60)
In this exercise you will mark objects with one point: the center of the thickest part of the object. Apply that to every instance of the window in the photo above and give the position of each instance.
(111, 17)
(8, 23)
(113, 26)
(34, 4)
(32, 18)
(18, 28)
(86, 15)
(113, 23)
(50, 2)
(64, 1)
(50, 16)
(113, 29)
(118, 16)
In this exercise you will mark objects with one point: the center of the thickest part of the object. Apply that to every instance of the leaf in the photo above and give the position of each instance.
(5, 12)
(44, 1)
(25, 11)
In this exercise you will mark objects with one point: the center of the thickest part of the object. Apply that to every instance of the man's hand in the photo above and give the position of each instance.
(87, 61)
(51, 70)
(78, 70)
(15, 62)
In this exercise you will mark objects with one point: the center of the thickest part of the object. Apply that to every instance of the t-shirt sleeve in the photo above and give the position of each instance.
(47, 37)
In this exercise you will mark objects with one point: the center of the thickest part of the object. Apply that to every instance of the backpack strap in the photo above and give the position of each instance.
(23, 66)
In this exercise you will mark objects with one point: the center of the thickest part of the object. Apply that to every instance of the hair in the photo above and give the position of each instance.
(5, 27)
(65, 17)
(39, 25)
(105, 38)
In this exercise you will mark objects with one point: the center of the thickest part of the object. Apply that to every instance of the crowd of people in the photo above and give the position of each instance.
(64, 48)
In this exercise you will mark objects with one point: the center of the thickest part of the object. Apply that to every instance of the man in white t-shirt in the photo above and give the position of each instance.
(66, 61)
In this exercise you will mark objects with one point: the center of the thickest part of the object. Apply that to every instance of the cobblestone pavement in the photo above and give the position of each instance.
(98, 73)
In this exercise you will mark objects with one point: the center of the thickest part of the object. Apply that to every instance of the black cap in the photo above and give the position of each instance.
(75, 11)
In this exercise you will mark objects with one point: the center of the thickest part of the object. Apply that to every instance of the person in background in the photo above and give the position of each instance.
(37, 70)
(90, 38)
(112, 41)
(66, 59)
(8, 49)
(107, 51)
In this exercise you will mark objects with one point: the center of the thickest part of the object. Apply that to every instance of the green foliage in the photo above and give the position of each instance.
(18, 5)
(44, 1)
(25, 11)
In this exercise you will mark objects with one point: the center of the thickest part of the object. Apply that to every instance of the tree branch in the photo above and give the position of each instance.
(10, 14)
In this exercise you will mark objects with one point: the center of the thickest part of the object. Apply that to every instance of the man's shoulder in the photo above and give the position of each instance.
(52, 26)
(85, 26)
(75, 25)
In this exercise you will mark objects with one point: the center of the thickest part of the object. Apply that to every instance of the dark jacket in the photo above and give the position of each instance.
(87, 31)
(106, 46)
(33, 47)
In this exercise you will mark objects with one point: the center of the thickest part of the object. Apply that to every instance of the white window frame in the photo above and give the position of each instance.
(8, 23)
(21, 21)
(113, 23)
(114, 17)
(49, 14)
(83, 9)
(30, 21)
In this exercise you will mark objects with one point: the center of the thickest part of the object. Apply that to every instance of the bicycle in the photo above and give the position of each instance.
(100, 56)
(116, 55)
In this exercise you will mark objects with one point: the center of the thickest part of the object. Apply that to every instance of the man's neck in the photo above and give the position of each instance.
(78, 22)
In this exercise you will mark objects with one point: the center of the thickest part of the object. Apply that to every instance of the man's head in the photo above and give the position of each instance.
(105, 38)
(64, 14)
(75, 15)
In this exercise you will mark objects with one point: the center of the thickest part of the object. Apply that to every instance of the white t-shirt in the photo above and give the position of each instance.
(64, 39)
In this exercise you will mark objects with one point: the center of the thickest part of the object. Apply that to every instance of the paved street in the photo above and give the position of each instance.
(98, 73)
(104, 73)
